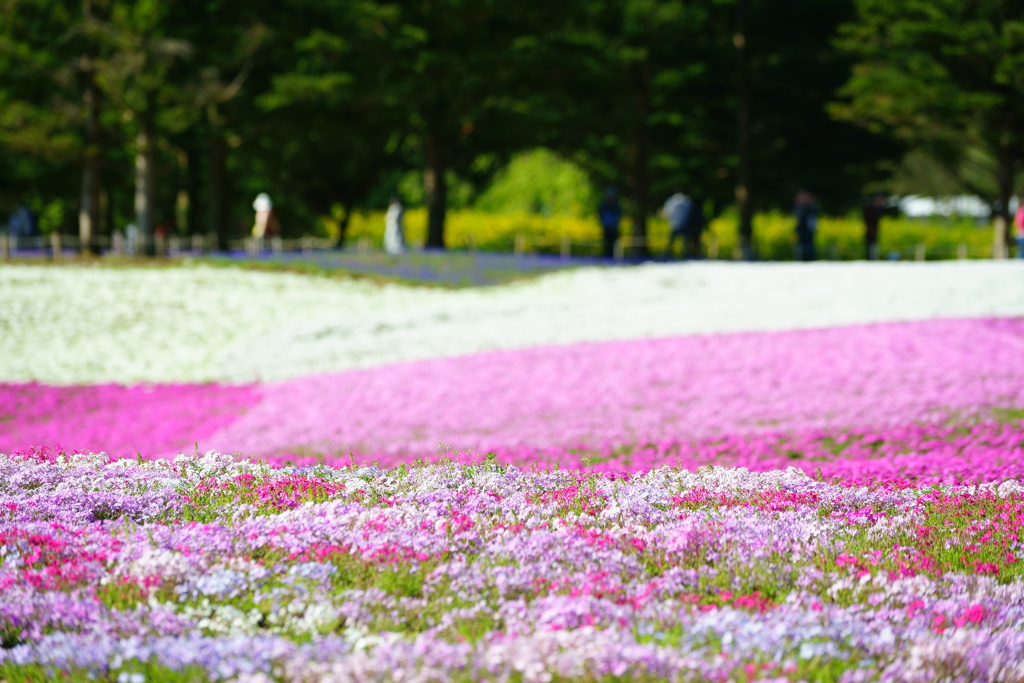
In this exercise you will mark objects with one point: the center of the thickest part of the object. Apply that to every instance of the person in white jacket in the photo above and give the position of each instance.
(677, 211)
(394, 228)
(263, 207)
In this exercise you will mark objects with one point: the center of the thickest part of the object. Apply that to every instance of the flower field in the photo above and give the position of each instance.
(688, 473)
(750, 399)
(75, 325)
(209, 568)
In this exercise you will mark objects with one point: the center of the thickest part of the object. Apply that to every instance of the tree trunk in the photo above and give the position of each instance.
(744, 199)
(343, 225)
(145, 190)
(217, 204)
(640, 190)
(1004, 178)
(89, 209)
(192, 185)
(109, 206)
(435, 190)
(639, 159)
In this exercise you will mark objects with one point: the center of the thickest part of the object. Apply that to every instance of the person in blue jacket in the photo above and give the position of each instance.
(610, 215)
(22, 223)
(805, 208)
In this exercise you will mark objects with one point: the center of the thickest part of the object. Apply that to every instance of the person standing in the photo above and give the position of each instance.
(806, 211)
(263, 208)
(133, 239)
(160, 239)
(694, 227)
(677, 210)
(22, 223)
(1018, 225)
(872, 217)
(610, 214)
(394, 227)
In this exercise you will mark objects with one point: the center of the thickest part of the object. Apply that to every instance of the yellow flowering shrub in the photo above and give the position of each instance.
(842, 237)
(838, 237)
(470, 229)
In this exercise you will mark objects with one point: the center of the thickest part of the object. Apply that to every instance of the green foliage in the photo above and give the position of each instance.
(53, 215)
(10, 637)
(539, 181)
(127, 594)
(40, 110)
(525, 108)
(266, 496)
(1009, 415)
(151, 672)
(461, 192)
(945, 76)
(402, 584)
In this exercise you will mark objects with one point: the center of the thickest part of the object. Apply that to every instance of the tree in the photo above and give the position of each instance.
(215, 96)
(329, 134)
(654, 101)
(463, 71)
(133, 73)
(946, 76)
(786, 67)
(89, 211)
(623, 95)
(326, 103)
(723, 100)
(53, 105)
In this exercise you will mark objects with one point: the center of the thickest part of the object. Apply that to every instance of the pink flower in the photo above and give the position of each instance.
(972, 615)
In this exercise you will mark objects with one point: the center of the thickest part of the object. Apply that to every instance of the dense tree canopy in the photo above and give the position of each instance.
(945, 76)
(173, 114)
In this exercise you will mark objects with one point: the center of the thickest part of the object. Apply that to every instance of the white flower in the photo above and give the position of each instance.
(134, 325)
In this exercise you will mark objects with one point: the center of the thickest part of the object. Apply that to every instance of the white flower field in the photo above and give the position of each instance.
(72, 325)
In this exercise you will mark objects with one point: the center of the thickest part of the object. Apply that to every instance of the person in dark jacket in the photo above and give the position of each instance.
(806, 211)
(872, 217)
(22, 223)
(694, 227)
(610, 215)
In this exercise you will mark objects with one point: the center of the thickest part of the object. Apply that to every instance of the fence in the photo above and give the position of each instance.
(57, 247)
(627, 246)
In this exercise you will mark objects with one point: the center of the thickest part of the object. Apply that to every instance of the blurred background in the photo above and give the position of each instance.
(501, 124)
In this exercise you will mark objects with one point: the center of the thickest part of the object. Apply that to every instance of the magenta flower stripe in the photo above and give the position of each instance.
(148, 419)
(815, 399)
(602, 397)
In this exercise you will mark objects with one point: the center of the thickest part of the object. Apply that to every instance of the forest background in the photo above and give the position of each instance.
(176, 113)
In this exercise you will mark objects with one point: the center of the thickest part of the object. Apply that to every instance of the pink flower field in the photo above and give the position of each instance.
(836, 504)
(916, 399)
